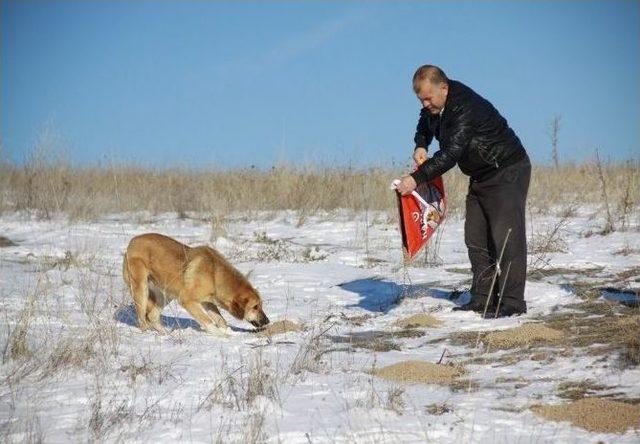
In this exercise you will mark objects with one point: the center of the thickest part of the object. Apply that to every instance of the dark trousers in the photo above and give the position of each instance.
(495, 213)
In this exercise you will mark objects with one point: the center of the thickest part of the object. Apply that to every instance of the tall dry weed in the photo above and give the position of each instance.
(48, 185)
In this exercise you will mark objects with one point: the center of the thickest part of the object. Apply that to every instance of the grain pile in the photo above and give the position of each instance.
(594, 414)
(524, 335)
(279, 327)
(417, 321)
(419, 372)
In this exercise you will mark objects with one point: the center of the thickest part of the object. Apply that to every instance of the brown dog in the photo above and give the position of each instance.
(158, 269)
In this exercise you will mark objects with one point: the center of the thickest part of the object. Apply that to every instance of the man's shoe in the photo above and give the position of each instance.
(504, 311)
(474, 305)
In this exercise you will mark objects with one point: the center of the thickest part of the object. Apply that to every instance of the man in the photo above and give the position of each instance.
(473, 134)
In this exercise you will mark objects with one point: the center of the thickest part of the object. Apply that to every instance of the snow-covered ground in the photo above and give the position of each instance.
(75, 366)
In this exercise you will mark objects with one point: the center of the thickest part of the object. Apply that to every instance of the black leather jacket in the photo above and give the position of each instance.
(471, 132)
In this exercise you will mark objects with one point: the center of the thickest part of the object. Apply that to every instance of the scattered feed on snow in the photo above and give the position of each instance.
(279, 327)
(419, 372)
(418, 320)
(594, 414)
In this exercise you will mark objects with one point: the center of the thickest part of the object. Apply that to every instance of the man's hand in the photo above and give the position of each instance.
(406, 186)
(420, 155)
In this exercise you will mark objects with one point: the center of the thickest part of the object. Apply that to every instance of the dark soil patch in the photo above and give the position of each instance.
(538, 274)
(6, 242)
(574, 390)
(438, 409)
(376, 340)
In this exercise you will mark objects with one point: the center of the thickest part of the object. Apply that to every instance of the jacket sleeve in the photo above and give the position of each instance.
(423, 136)
(460, 130)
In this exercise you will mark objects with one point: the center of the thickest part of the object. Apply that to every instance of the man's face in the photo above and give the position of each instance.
(432, 96)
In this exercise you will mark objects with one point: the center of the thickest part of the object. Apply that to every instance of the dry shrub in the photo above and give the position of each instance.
(17, 346)
(438, 409)
(239, 388)
(630, 333)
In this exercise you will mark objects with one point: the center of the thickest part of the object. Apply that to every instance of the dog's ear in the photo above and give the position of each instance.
(237, 310)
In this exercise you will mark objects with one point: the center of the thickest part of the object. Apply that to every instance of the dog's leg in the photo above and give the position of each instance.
(155, 304)
(138, 285)
(213, 311)
(200, 315)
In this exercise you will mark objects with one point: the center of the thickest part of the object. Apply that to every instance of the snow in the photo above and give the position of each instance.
(339, 274)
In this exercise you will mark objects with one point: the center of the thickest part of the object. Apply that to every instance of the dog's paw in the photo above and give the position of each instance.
(161, 330)
(219, 332)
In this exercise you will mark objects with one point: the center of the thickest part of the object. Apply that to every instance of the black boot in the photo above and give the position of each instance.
(476, 305)
(504, 311)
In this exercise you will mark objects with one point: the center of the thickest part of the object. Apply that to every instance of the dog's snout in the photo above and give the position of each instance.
(261, 322)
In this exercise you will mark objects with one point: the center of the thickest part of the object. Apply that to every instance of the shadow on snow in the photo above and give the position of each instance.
(127, 315)
(380, 295)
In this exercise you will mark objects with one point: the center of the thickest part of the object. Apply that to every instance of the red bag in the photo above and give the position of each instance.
(420, 214)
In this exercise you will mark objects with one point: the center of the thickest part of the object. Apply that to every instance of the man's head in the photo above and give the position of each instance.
(431, 86)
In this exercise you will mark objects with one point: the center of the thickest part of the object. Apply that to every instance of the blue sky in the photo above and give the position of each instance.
(219, 85)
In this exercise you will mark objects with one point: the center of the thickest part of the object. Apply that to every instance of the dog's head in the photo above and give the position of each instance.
(248, 306)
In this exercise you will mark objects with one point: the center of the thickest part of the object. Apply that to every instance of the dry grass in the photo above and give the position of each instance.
(48, 185)
(607, 331)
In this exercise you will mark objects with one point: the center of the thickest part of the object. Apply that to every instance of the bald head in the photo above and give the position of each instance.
(430, 73)
(431, 86)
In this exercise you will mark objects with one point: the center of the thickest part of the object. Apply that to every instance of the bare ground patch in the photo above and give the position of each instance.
(594, 414)
(596, 328)
(574, 390)
(539, 274)
(6, 242)
(376, 340)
